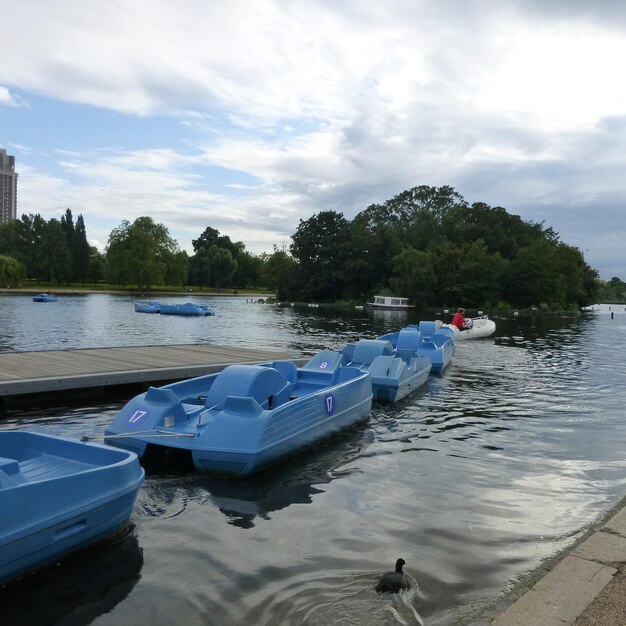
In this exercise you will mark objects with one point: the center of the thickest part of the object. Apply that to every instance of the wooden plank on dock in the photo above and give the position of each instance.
(58, 370)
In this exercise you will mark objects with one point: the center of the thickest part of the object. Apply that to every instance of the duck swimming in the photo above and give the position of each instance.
(393, 581)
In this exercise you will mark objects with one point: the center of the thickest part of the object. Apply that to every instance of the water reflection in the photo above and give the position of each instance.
(242, 500)
(77, 589)
(102, 320)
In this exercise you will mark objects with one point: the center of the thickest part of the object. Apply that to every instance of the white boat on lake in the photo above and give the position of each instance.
(393, 303)
(476, 328)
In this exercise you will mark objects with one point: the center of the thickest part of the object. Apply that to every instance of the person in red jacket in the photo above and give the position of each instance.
(458, 320)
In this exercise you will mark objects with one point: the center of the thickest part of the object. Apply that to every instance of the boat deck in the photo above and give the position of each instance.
(25, 373)
(47, 467)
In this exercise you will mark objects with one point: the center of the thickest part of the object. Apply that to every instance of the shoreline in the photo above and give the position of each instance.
(493, 609)
(68, 291)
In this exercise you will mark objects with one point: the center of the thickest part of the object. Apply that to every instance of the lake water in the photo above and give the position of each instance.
(475, 480)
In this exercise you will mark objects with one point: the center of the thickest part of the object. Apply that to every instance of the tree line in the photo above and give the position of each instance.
(426, 243)
(430, 245)
(613, 290)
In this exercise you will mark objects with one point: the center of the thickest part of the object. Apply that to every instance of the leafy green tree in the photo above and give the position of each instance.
(279, 273)
(213, 266)
(211, 237)
(9, 245)
(481, 276)
(222, 265)
(447, 263)
(54, 253)
(81, 251)
(321, 249)
(373, 244)
(176, 267)
(200, 268)
(67, 226)
(419, 213)
(248, 266)
(249, 270)
(500, 231)
(78, 246)
(12, 272)
(534, 278)
(97, 269)
(414, 276)
(138, 253)
(612, 291)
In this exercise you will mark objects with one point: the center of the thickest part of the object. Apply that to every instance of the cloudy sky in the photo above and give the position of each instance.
(248, 115)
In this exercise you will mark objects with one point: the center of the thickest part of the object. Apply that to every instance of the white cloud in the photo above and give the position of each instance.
(10, 100)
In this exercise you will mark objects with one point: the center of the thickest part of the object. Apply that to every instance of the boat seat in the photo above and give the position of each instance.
(428, 329)
(348, 351)
(409, 340)
(10, 473)
(366, 350)
(161, 395)
(288, 369)
(428, 345)
(264, 384)
(323, 367)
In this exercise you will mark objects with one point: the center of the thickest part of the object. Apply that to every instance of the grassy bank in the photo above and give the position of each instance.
(32, 287)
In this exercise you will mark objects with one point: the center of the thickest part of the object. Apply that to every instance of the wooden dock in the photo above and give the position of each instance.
(25, 373)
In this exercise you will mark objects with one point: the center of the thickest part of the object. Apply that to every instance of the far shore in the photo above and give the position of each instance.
(134, 292)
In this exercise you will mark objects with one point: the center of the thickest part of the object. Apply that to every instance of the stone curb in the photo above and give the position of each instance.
(566, 592)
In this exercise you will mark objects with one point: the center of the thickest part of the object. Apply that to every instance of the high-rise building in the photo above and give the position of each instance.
(8, 187)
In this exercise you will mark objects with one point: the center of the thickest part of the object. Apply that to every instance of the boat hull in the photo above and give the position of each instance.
(45, 297)
(425, 340)
(482, 327)
(393, 376)
(147, 307)
(57, 496)
(384, 307)
(387, 389)
(188, 309)
(249, 423)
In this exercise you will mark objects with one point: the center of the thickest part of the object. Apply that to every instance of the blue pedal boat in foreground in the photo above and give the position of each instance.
(247, 416)
(394, 376)
(58, 495)
(426, 339)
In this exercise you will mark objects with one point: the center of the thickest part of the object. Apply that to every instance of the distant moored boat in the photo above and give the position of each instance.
(45, 297)
(390, 303)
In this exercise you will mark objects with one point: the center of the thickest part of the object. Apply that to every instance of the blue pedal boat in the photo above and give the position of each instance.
(247, 416)
(45, 297)
(189, 309)
(394, 376)
(148, 307)
(426, 339)
(58, 495)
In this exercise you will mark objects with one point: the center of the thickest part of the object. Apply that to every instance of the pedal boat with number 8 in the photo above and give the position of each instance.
(247, 416)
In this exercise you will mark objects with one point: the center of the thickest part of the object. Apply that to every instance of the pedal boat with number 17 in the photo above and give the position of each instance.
(247, 416)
